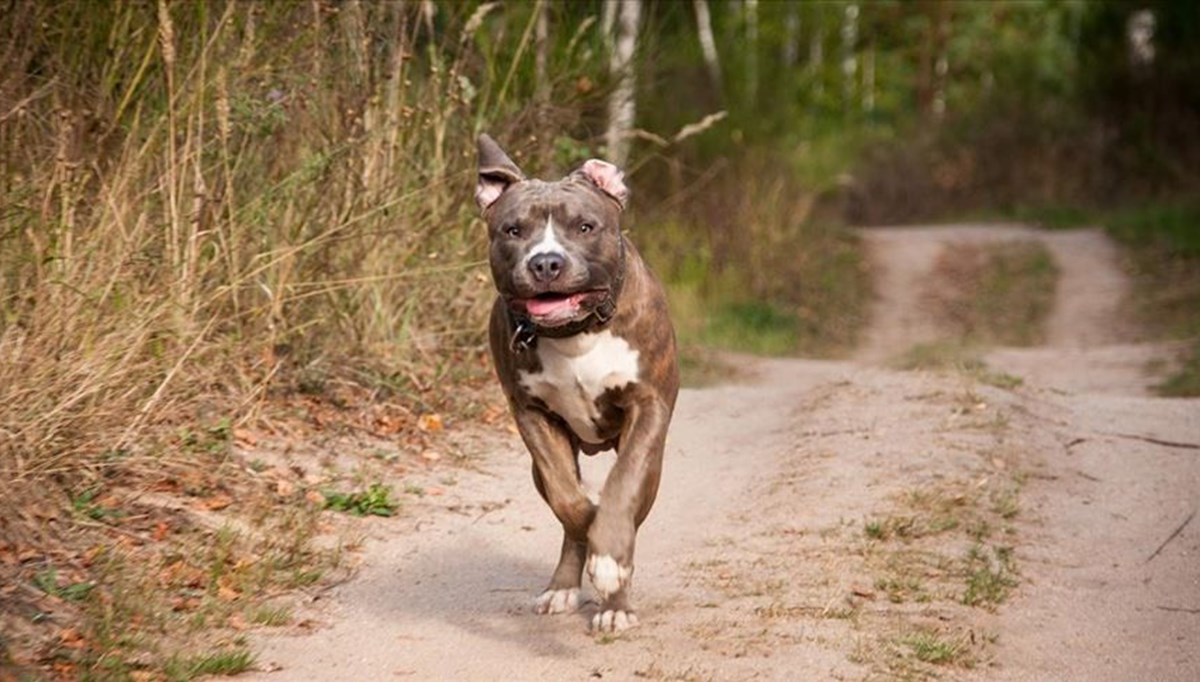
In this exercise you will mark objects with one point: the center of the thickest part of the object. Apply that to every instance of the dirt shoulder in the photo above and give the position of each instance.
(828, 520)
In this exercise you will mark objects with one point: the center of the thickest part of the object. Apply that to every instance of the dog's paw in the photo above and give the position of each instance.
(607, 575)
(612, 620)
(557, 601)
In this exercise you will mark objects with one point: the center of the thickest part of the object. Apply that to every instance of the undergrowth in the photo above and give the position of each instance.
(1164, 244)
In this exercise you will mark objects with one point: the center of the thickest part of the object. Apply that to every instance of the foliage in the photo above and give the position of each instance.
(376, 500)
(1164, 240)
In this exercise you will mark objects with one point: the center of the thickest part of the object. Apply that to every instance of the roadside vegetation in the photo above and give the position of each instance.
(1164, 246)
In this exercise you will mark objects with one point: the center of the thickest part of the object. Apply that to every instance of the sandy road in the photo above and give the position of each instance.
(754, 554)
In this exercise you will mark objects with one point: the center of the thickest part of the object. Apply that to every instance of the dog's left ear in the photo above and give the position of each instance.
(496, 172)
(609, 178)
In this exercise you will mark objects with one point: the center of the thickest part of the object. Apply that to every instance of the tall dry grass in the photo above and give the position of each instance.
(204, 200)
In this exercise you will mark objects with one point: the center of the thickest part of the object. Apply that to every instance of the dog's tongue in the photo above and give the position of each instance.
(551, 306)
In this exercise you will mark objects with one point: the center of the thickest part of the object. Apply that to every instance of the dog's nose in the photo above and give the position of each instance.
(546, 267)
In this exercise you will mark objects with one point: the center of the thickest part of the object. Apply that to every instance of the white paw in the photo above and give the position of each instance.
(613, 621)
(557, 601)
(607, 576)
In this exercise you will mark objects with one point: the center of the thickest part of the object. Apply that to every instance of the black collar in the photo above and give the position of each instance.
(525, 332)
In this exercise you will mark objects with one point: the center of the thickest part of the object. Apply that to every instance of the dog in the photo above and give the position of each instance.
(585, 352)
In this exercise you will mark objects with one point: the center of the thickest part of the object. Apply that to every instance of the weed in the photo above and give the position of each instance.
(930, 647)
(875, 529)
(1185, 381)
(900, 589)
(990, 576)
(225, 663)
(47, 580)
(1006, 503)
(85, 504)
(271, 616)
(376, 500)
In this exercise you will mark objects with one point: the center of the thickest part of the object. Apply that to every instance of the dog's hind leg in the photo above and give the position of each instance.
(562, 594)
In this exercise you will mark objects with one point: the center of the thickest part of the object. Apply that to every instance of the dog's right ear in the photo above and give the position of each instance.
(496, 172)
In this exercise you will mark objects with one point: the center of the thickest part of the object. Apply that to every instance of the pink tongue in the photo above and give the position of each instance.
(542, 307)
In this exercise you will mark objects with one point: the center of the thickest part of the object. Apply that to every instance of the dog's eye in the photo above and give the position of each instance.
(586, 227)
(512, 230)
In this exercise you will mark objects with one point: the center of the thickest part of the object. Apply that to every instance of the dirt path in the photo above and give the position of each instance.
(761, 560)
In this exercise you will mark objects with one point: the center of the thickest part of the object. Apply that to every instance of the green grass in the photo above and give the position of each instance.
(1164, 242)
(930, 647)
(376, 500)
(225, 663)
(1185, 381)
(954, 356)
(990, 576)
(270, 616)
(1173, 227)
(47, 581)
(755, 327)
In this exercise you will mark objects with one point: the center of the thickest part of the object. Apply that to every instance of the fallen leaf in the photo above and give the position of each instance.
(862, 592)
(160, 532)
(244, 437)
(237, 621)
(71, 639)
(430, 422)
(430, 456)
(217, 502)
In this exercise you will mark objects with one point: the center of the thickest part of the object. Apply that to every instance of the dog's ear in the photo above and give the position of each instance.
(496, 172)
(609, 178)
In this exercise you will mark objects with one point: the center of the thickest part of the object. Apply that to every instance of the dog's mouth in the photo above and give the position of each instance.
(552, 309)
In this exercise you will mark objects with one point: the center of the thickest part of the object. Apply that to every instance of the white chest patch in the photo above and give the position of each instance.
(578, 370)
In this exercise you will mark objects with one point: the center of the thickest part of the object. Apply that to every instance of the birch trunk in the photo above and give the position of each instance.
(708, 45)
(751, 8)
(622, 105)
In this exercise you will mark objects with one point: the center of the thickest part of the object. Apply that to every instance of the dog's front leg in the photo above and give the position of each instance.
(625, 501)
(556, 476)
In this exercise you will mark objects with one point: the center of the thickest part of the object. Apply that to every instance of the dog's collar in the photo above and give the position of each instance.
(525, 332)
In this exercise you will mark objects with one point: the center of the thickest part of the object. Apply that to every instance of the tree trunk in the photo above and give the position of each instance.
(622, 106)
(708, 45)
(849, 56)
(751, 8)
(541, 92)
(791, 36)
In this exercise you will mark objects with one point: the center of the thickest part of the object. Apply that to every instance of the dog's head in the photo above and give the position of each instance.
(556, 250)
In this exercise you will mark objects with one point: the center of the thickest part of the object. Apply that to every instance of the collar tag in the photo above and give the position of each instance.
(524, 337)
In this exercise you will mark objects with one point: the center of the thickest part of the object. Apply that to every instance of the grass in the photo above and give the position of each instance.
(996, 295)
(990, 576)
(270, 616)
(930, 647)
(224, 663)
(749, 268)
(376, 500)
(1164, 242)
(954, 356)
